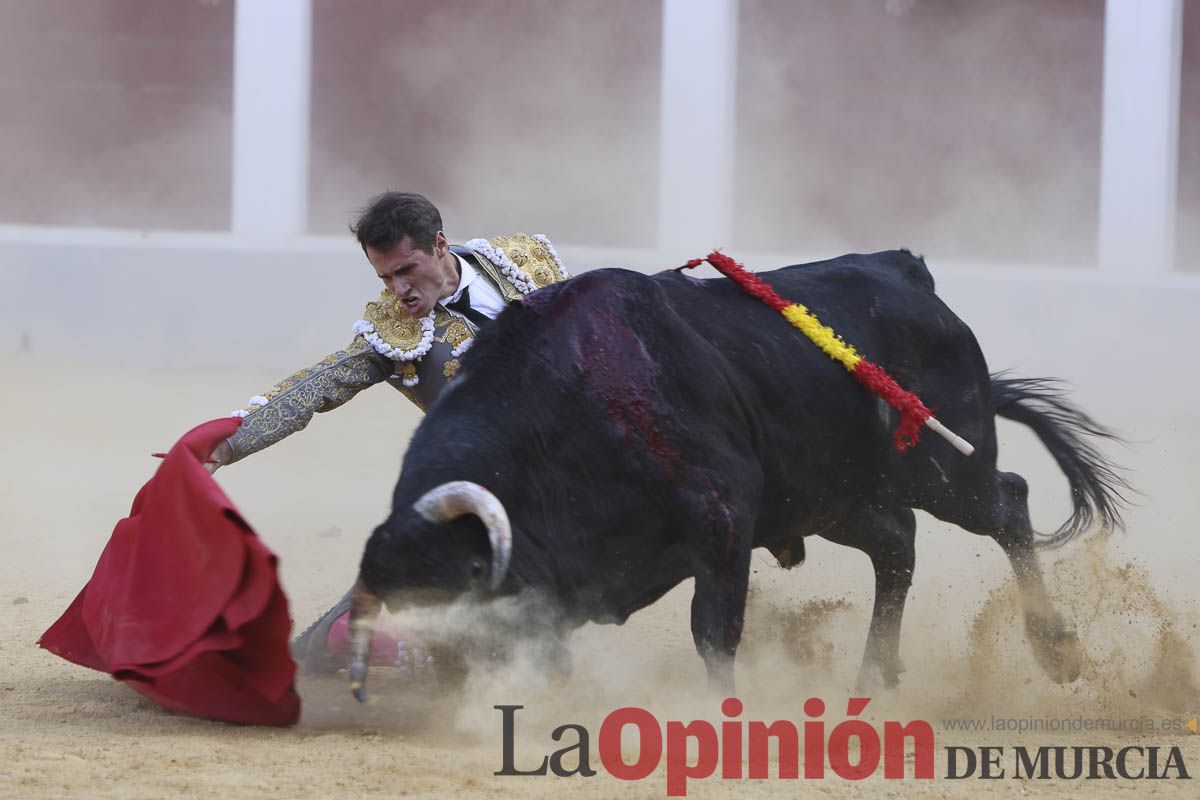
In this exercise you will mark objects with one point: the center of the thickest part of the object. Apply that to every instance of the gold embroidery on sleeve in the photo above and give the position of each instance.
(292, 402)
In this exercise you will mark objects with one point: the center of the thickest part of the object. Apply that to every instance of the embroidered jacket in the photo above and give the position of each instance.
(383, 346)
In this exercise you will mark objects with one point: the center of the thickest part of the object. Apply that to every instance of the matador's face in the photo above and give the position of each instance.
(418, 279)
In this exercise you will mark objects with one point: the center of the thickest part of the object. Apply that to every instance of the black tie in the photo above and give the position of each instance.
(463, 306)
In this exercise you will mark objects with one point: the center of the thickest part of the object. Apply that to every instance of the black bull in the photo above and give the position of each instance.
(640, 430)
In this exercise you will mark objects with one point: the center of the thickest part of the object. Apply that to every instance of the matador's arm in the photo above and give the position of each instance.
(291, 403)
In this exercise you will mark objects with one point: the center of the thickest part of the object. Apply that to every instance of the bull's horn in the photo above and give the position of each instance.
(451, 500)
(364, 608)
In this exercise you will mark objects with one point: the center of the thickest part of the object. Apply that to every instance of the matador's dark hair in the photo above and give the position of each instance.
(391, 216)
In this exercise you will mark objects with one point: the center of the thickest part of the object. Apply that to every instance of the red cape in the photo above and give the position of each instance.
(185, 604)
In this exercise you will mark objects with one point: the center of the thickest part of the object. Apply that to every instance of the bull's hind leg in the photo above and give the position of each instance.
(1003, 514)
(888, 537)
(1055, 643)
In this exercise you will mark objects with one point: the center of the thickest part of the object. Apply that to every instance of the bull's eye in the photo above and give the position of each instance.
(476, 569)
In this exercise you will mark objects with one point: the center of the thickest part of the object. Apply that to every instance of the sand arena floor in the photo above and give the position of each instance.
(76, 441)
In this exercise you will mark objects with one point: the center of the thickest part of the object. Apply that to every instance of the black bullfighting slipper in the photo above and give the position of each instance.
(311, 650)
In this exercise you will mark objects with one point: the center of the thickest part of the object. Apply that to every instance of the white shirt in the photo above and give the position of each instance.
(485, 298)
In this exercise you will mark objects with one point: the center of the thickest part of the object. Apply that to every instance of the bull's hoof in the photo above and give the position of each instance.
(720, 676)
(1055, 646)
(876, 675)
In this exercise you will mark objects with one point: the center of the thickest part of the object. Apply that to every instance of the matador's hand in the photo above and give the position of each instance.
(219, 458)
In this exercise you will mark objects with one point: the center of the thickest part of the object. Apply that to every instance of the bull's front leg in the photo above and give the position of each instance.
(719, 602)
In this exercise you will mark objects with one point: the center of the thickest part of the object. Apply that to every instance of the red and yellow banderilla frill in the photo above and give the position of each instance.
(913, 413)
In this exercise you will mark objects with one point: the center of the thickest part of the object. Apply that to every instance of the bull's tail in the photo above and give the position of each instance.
(1097, 486)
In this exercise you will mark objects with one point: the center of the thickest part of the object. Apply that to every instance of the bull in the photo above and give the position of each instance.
(643, 430)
